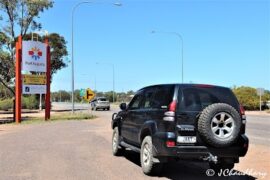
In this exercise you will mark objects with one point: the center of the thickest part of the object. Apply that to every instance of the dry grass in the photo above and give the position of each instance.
(59, 117)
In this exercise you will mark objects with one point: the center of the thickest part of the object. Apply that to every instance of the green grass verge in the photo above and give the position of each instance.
(59, 117)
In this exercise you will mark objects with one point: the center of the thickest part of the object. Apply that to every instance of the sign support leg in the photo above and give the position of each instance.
(48, 84)
(18, 81)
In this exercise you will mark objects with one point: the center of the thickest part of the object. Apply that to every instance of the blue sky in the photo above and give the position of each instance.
(225, 43)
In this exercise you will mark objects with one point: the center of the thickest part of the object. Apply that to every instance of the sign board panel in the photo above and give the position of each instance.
(260, 91)
(34, 55)
(34, 79)
(82, 92)
(34, 89)
(89, 95)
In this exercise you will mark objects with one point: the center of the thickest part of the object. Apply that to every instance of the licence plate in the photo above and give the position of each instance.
(186, 139)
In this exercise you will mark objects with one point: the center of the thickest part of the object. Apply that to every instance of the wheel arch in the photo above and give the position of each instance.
(148, 129)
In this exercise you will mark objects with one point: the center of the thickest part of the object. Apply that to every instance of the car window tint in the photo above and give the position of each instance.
(196, 99)
(163, 96)
(192, 100)
(147, 102)
(136, 101)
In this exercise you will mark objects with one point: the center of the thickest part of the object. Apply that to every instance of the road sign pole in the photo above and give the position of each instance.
(40, 102)
(260, 92)
(48, 83)
(18, 80)
(260, 101)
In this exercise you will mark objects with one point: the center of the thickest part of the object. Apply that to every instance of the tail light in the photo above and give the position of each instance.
(172, 106)
(170, 115)
(170, 143)
(242, 110)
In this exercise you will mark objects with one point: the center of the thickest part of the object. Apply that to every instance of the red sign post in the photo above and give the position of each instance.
(48, 91)
(18, 80)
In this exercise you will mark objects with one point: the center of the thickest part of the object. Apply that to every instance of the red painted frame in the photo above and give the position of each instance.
(48, 83)
(18, 81)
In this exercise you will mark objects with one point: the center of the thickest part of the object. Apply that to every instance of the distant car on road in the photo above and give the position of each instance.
(100, 103)
(265, 105)
(268, 104)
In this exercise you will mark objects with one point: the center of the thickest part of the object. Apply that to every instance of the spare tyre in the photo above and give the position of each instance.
(219, 125)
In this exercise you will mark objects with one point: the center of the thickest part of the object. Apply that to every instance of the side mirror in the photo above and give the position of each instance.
(123, 106)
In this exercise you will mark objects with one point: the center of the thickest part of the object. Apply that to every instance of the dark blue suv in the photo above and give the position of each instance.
(182, 121)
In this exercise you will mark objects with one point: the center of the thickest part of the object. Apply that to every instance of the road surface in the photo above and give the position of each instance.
(82, 150)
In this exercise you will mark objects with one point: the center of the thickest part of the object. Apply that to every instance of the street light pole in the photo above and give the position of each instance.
(72, 46)
(113, 81)
(72, 50)
(182, 47)
(95, 83)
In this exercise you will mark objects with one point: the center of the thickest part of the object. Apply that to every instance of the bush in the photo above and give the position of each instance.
(6, 104)
(247, 96)
(30, 102)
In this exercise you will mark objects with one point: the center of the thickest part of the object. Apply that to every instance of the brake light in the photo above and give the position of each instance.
(172, 106)
(170, 143)
(242, 110)
(169, 115)
(204, 85)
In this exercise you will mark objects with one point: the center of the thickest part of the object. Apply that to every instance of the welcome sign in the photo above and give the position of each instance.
(34, 56)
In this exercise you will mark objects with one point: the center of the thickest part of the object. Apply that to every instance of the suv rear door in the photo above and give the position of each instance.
(161, 100)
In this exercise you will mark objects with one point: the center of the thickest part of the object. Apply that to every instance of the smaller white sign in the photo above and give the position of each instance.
(34, 89)
(260, 91)
(34, 56)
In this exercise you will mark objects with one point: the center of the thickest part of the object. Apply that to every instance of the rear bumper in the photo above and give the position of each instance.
(239, 149)
(103, 106)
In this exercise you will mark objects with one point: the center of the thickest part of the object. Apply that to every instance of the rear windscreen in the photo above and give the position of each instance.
(196, 99)
(102, 99)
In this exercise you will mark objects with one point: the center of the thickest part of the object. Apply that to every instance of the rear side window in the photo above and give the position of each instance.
(196, 99)
(148, 99)
(163, 96)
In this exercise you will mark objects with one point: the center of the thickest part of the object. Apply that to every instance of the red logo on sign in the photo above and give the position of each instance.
(35, 53)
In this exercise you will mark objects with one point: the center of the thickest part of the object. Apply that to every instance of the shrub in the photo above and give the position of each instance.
(247, 96)
(30, 102)
(6, 104)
